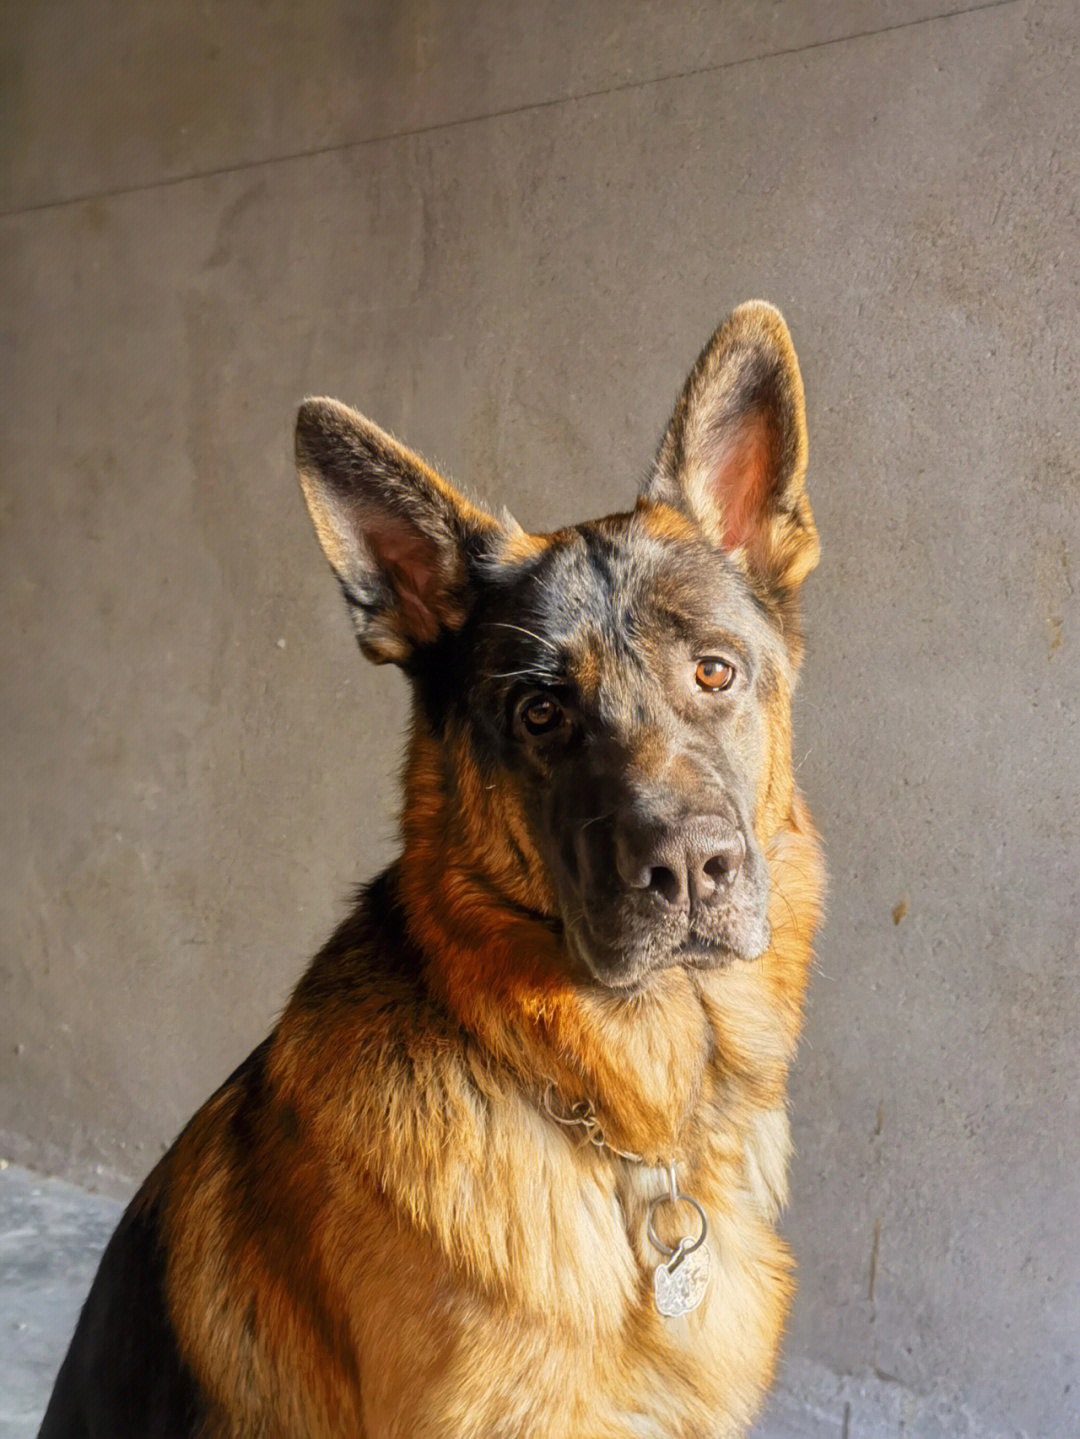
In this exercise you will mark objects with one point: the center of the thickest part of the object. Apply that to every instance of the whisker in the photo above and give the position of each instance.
(790, 908)
(595, 819)
(540, 640)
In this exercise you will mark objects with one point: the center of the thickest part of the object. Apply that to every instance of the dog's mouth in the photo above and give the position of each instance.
(623, 956)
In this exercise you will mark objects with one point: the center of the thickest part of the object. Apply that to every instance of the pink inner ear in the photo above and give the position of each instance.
(741, 479)
(410, 560)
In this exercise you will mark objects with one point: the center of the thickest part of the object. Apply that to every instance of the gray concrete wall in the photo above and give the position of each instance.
(503, 229)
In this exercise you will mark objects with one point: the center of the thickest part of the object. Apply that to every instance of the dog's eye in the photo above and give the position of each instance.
(714, 674)
(541, 714)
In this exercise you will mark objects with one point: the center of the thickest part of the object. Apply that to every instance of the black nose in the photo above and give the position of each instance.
(686, 866)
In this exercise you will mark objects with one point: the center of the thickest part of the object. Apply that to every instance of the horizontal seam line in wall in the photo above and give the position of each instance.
(240, 167)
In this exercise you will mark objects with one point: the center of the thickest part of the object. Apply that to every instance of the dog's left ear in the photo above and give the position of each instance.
(734, 454)
(398, 537)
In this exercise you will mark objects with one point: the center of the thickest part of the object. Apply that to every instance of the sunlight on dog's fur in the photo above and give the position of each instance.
(390, 1221)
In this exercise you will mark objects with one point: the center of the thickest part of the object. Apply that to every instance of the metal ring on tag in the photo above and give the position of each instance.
(682, 1248)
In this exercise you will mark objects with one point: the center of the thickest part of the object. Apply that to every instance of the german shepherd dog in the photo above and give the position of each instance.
(511, 1161)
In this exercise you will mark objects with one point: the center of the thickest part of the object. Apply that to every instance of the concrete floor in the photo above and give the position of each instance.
(503, 228)
(51, 1237)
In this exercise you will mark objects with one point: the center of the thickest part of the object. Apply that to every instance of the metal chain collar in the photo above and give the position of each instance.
(680, 1280)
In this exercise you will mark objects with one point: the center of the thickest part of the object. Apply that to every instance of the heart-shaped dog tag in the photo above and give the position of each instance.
(679, 1284)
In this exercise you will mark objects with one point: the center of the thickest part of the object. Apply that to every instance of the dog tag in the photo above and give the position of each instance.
(679, 1283)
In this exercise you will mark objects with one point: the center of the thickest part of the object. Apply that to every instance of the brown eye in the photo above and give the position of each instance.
(713, 674)
(541, 714)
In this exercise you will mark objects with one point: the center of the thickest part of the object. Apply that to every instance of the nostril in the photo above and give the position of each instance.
(724, 864)
(663, 881)
(719, 869)
(722, 868)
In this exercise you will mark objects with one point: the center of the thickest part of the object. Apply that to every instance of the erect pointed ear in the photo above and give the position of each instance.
(734, 454)
(397, 535)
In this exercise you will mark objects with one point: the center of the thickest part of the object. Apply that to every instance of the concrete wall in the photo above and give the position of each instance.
(503, 229)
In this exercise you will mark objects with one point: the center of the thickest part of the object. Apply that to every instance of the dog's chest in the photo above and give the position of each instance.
(597, 1357)
(650, 1375)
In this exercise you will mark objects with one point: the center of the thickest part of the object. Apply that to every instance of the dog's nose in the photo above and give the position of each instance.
(687, 866)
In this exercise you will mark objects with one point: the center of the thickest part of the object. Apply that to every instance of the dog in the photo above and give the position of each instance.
(510, 1163)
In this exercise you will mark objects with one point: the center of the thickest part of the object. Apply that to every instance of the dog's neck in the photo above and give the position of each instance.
(504, 975)
(499, 964)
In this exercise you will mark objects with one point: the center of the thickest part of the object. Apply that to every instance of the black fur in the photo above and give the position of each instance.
(126, 1379)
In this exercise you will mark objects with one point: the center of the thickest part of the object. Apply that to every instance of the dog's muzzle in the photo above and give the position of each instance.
(693, 893)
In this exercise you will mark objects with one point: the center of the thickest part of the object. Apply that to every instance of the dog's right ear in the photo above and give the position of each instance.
(396, 534)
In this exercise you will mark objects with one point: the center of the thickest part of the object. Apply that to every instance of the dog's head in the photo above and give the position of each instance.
(602, 713)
